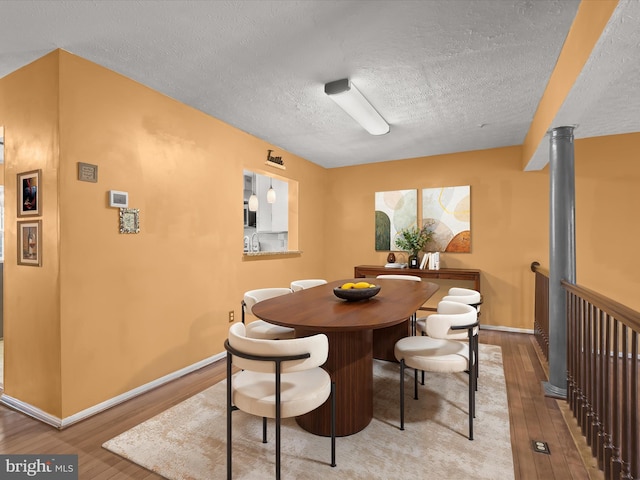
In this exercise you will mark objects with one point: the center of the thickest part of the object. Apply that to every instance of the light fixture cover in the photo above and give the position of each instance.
(349, 98)
(253, 203)
(271, 195)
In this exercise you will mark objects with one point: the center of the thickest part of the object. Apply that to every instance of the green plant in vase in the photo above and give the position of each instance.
(413, 239)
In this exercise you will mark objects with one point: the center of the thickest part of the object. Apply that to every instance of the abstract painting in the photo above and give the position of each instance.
(395, 210)
(447, 212)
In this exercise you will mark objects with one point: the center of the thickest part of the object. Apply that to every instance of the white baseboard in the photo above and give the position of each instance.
(507, 329)
(30, 410)
(61, 423)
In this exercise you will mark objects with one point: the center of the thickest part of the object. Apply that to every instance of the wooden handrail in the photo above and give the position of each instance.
(624, 314)
(603, 338)
(541, 320)
(537, 268)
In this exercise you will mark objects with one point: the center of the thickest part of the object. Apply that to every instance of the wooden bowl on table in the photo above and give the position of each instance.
(356, 294)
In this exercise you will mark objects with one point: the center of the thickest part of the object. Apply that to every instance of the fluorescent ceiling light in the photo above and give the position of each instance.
(349, 98)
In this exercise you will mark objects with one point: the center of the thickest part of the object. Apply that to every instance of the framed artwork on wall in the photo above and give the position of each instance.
(87, 172)
(447, 211)
(395, 210)
(129, 220)
(30, 243)
(29, 194)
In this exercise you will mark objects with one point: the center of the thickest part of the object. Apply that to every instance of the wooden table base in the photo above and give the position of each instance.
(384, 340)
(349, 327)
(350, 364)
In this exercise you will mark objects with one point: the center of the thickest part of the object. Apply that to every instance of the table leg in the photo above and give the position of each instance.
(350, 364)
(384, 340)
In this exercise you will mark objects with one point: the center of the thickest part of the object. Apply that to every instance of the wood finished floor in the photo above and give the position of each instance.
(532, 416)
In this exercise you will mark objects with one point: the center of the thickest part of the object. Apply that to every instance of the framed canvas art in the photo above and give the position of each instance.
(29, 194)
(447, 211)
(30, 243)
(394, 210)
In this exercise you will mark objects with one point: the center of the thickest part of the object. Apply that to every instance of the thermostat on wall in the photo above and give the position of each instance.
(118, 199)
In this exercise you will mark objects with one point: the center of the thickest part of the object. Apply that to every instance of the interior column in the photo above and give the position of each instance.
(562, 252)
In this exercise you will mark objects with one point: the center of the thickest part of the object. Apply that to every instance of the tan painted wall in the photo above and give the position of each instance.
(111, 312)
(29, 111)
(2, 167)
(509, 222)
(607, 206)
(132, 308)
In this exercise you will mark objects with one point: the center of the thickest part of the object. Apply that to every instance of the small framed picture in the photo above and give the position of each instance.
(29, 194)
(87, 172)
(129, 220)
(118, 199)
(30, 243)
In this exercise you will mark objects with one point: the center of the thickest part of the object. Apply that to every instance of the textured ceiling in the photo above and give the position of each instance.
(448, 76)
(605, 99)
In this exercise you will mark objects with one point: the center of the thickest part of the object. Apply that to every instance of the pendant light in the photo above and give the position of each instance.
(253, 199)
(253, 203)
(271, 193)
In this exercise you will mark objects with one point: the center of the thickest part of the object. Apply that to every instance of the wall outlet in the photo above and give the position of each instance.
(232, 316)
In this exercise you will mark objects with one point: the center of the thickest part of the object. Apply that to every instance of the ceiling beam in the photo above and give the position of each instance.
(590, 21)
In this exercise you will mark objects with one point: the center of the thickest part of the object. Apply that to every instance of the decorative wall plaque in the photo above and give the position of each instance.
(129, 220)
(87, 172)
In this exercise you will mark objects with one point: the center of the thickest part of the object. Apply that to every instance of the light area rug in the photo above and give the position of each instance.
(188, 441)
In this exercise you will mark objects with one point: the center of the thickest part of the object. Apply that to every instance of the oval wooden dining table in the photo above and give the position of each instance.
(350, 328)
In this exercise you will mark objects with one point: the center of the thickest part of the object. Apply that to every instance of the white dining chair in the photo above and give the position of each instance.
(298, 285)
(465, 295)
(411, 278)
(461, 295)
(260, 328)
(277, 379)
(436, 352)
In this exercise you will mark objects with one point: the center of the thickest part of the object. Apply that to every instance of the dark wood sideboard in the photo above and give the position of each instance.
(443, 273)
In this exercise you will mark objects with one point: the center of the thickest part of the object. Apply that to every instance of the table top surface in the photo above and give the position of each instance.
(319, 309)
